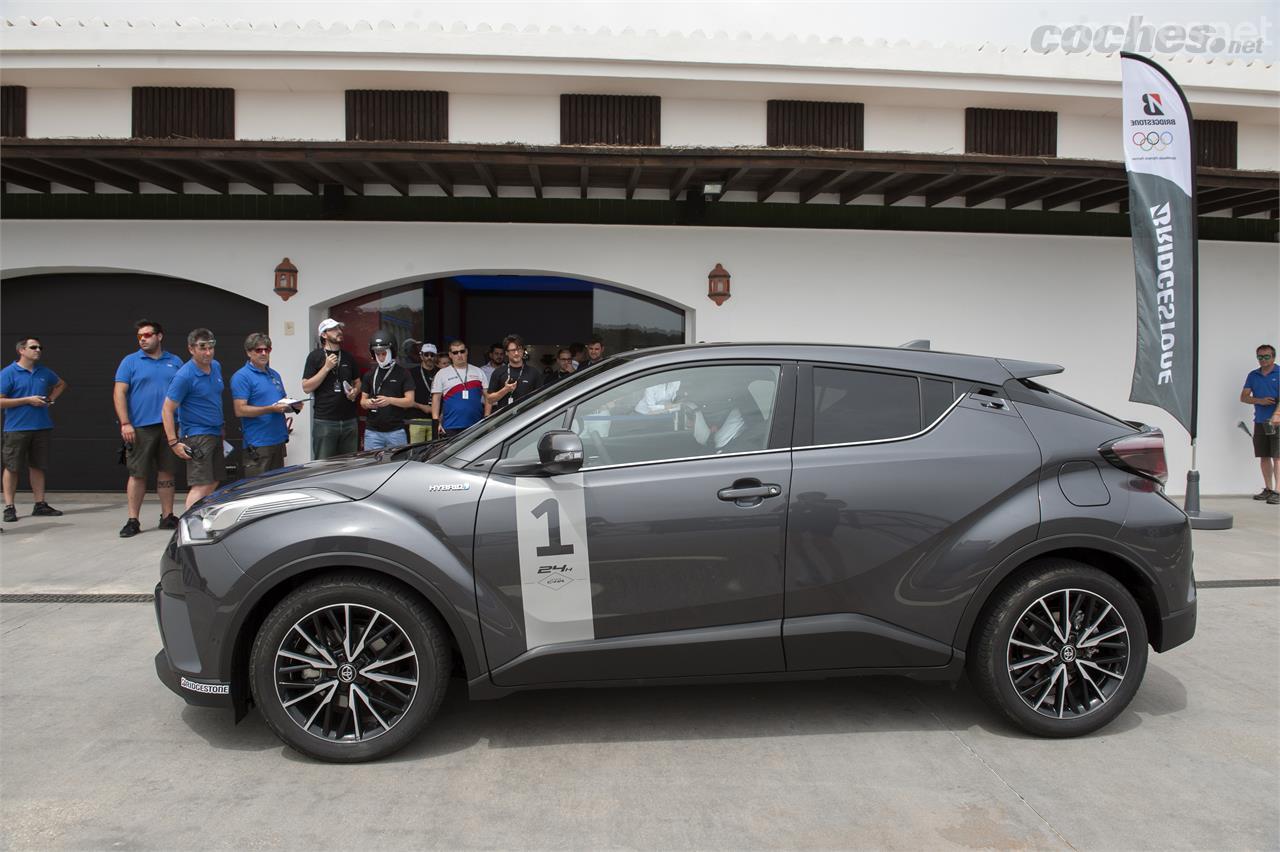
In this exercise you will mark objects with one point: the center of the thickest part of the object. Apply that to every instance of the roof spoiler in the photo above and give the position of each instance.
(915, 344)
(1028, 369)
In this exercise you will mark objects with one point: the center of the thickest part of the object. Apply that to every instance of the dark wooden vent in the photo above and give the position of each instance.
(13, 111)
(820, 124)
(399, 116)
(1011, 132)
(610, 120)
(175, 112)
(1216, 143)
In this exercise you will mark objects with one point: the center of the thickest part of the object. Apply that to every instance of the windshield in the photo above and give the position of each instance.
(458, 443)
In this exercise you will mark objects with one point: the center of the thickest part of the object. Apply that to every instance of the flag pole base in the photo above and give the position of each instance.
(1201, 520)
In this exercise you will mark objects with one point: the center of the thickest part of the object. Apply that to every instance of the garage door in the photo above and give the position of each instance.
(85, 322)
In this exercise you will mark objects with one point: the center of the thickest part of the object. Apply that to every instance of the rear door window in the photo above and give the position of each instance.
(851, 406)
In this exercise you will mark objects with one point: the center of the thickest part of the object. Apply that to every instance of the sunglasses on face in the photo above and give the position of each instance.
(262, 350)
(36, 347)
(457, 352)
(146, 335)
(206, 347)
(1260, 357)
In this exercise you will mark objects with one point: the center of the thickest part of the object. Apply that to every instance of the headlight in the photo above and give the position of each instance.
(210, 523)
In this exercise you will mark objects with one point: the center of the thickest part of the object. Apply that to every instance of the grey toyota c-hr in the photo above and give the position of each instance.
(718, 512)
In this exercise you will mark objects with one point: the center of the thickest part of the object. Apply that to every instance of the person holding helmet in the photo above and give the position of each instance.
(386, 398)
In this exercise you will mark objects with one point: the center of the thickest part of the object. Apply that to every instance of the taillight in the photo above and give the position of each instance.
(1142, 454)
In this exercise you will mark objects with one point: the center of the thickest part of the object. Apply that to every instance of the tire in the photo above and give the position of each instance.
(347, 641)
(1022, 668)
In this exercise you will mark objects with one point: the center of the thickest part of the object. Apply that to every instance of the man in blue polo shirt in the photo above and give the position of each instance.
(194, 397)
(257, 392)
(27, 389)
(1261, 390)
(141, 380)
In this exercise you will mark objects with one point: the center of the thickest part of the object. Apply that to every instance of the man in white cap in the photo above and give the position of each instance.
(423, 374)
(332, 377)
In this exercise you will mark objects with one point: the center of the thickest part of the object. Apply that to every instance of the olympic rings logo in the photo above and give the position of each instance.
(1152, 141)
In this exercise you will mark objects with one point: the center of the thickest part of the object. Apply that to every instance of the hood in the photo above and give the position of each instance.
(355, 476)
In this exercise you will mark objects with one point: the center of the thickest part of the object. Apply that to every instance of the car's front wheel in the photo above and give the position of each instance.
(1062, 651)
(349, 668)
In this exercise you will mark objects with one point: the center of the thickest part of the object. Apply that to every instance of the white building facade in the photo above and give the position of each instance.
(1032, 277)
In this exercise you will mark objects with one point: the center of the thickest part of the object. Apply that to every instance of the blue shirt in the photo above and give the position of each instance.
(260, 387)
(147, 378)
(16, 381)
(199, 398)
(1260, 386)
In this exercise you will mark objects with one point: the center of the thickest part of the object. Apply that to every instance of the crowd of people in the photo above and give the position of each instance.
(171, 412)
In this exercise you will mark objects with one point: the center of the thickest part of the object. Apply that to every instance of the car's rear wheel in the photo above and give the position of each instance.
(1060, 652)
(349, 668)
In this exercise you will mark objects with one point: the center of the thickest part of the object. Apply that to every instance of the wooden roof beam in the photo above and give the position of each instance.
(774, 183)
(633, 180)
(289, 173)
(908, 186)
(1075, 193)
(486, 178)
(438, 177)
(535, 178)
(680, 183)
(735, 178)
(1036, 191)
(940, 192)
(995, 189)
(9, 175)
(1257, 207)
(1231, 198)
(385, 175)
(96, 172)
(37, 169)
(865, 184)
(189, 172)
(244, 174)
(1102, 199)
(584, 180)
(338, 174)
(825, 183)
(144, 172)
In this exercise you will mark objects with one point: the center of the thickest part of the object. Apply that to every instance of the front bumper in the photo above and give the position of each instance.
(196, 692)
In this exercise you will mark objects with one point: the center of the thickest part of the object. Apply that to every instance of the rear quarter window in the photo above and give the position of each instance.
(854, 405)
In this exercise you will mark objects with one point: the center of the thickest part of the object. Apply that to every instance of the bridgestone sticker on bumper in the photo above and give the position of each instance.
(555, 568)
(206, 688)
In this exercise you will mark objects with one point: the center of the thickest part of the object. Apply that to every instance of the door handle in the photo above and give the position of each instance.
(749, 492)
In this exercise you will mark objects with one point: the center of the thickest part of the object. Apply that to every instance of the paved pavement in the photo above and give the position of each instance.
(95, 753)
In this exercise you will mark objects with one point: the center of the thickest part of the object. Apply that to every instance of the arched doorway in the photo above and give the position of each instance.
(85, 321)
(548, 311)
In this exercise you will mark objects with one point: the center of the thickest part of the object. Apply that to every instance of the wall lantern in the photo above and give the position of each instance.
(286, 279)
(718, 285)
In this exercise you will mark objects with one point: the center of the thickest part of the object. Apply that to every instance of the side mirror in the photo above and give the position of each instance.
(560, 451)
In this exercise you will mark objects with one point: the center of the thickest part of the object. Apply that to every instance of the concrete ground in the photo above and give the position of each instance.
(96, 753)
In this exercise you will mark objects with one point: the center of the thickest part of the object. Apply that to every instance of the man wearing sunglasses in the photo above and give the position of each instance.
(27, 389)
(194, 398)
(1262, 389)
(141, 380)
(457, 396)
(257, 393)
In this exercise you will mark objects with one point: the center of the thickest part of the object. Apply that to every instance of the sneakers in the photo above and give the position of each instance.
(131, 528)
(1274, 499)
(10, 513)
(169, 521)
(44, 510)
(1263, 494)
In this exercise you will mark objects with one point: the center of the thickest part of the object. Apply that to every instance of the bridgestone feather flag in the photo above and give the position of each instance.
(1160, 158)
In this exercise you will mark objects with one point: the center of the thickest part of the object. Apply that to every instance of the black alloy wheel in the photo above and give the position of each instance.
(349, 668)
(1061, 652)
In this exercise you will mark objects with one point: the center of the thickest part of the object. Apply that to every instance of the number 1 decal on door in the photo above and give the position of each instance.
(555, 571)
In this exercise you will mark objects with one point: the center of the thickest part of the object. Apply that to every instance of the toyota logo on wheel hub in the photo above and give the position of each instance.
(346, 673)
(1068, 654)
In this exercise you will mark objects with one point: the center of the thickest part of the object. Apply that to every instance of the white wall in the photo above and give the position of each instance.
(56, 113)
(530, 119)
(290, 115)
(1067, 300)
(916, 129)
(712, 124)
(1258, 146)
(1090, 137)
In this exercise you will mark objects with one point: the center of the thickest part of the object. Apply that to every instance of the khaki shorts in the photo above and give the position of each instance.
(212, 465)
(258, 460)
(26, 449)
(150, 452)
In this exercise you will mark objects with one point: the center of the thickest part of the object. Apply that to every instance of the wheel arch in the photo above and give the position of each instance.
(1106, 555)
(280, 583)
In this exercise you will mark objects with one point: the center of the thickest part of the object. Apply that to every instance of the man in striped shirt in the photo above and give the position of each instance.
(457, 394)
